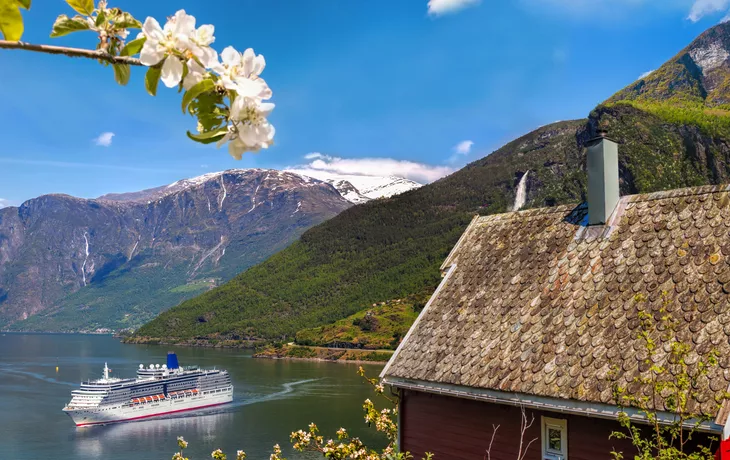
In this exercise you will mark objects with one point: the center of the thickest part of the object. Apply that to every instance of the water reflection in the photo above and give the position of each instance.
(94, 441)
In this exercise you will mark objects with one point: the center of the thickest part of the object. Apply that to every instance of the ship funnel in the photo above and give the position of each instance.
(172, 360)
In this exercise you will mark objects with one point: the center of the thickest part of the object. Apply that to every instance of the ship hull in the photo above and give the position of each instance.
(126, 413)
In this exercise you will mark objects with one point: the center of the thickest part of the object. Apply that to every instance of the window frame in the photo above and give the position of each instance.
(562, 425)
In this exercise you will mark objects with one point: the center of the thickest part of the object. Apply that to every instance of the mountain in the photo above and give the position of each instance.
(348, 191)
(697, 75)
(383, 187)
(70, 264)
(361, 188)
(673, 131)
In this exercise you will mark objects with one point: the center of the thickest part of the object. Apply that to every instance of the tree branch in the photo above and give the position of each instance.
(71, 52)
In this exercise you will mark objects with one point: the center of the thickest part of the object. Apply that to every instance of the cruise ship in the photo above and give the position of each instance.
(157, 390)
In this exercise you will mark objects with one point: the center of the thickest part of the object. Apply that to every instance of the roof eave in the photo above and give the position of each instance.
(397, 351)
(566, 406)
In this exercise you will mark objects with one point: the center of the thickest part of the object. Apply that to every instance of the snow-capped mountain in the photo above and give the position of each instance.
(384, 187)
(354, 188)
(348, 191)
(358, 189)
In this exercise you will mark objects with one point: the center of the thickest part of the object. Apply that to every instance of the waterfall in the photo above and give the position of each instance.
(86, 258)
(521, 196)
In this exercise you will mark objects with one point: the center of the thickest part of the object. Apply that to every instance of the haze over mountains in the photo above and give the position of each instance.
(674, 131)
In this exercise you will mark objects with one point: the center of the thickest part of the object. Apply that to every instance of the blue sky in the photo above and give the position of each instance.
(390, 86)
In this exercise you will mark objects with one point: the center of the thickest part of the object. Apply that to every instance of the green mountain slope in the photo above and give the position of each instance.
(381, 326)
(673, 135)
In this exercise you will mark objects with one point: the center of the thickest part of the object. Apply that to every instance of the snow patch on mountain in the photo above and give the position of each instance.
(358, 189)
(348, 191)
(385, 187)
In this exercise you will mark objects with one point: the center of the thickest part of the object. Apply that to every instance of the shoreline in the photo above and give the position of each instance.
(340, 355)
(321, 360)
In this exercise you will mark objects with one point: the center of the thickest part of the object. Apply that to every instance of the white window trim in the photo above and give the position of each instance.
(560, 423)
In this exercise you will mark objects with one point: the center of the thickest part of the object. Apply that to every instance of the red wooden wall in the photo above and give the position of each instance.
(454, 428)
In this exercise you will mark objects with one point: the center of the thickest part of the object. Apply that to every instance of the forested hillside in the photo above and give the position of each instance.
(389, 249)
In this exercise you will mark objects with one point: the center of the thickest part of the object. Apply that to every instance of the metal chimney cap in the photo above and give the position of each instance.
(601, 134)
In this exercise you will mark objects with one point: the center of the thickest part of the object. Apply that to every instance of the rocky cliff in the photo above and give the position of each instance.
(75, 264)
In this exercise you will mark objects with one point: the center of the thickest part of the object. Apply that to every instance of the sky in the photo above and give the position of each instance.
(415, 88)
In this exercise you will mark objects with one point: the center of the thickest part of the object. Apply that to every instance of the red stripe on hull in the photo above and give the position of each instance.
(152, 415)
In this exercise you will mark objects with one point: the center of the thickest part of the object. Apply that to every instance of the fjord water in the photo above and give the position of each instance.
(271, 399)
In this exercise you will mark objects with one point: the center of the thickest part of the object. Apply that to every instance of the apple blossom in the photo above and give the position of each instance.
(177, 39)
(195, 74)
(237, 65)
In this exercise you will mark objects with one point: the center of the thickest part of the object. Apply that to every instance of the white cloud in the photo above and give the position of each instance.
(701, 8)
(5, 203)
(463, 147)
(646, 74)
(439, 7)
(325, 166)
(104, 139)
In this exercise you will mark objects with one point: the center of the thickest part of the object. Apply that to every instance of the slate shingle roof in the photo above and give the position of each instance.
(539, 304)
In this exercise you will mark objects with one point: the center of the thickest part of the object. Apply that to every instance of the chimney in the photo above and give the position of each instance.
(602, 166)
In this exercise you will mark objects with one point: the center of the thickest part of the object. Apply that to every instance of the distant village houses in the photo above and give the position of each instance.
(536, 307)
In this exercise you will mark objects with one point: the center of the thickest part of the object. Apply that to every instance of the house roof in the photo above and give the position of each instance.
(538, 303)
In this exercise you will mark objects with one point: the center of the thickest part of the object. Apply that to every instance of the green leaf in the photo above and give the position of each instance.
(126, 21)
(82, 6)
(133, 47)
(100, 18)
(11, 22)
(198, 89)
(121, 73)
(151, 78)
(65, 25)
(184, 74)
(210, 136)
(24, 4)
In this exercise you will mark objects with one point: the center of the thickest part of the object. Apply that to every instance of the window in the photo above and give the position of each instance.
(554, 438)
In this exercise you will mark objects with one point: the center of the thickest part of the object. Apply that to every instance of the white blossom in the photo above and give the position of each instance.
(195, 75)
(238, 66)
(245, 137)
(179, 45)
(177, 39)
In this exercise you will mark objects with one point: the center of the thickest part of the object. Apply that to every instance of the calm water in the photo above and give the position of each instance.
(272, 399)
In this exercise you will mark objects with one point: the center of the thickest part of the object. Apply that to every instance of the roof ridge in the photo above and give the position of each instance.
(560, 209)
(637, 197)
(678, 192)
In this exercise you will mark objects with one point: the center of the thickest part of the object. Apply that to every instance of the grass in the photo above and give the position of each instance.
(380, 326)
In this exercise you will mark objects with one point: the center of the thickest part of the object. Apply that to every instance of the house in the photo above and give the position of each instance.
(536, 307)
